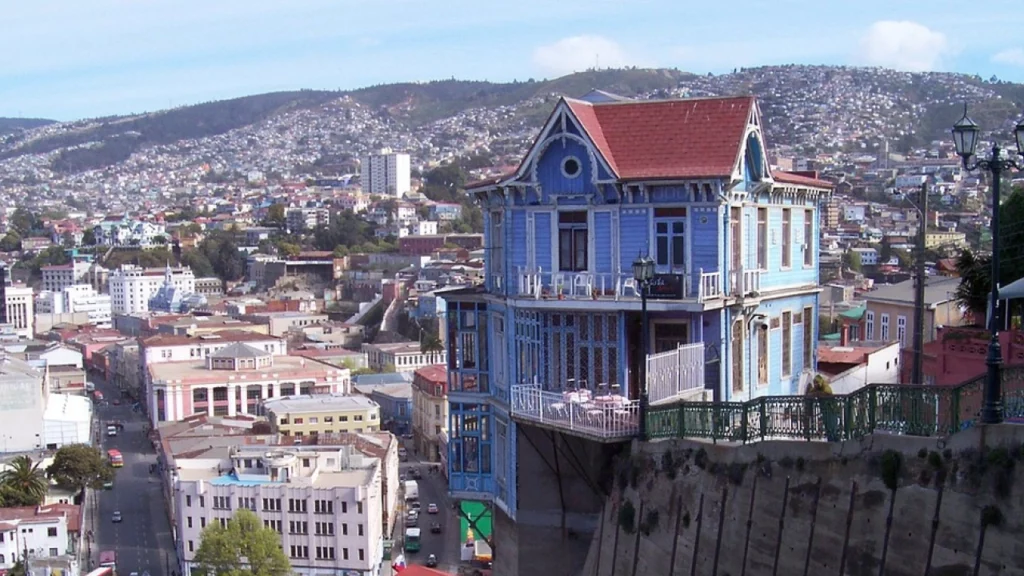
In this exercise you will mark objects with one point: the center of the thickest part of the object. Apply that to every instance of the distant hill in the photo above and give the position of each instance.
(814, 108)
(9, 125)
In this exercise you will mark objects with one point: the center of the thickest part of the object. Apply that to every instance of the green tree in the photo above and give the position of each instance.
(275, 215)
(79, 466)
(24, 221)
(89, 237)
(161, 240)
(430, 342)
(973, 290)
(242, 548)
(200, 265)
(23, 482)
(851, 259)
(288, 249)
(11, 242)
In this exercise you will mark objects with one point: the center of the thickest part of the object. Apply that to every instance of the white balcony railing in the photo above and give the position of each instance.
(536, 283)
(676, 373)
(745, 281)
(603, 417)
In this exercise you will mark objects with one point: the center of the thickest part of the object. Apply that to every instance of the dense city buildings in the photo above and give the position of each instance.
(313, 415)
(131, 287)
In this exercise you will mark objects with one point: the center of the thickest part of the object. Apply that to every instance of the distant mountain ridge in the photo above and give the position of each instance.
(811, 107)
(9, 125)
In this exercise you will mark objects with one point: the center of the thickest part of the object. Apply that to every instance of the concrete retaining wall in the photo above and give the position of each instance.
(792, 508)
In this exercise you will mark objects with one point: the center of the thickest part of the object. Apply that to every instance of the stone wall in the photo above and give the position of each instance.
(812, 508)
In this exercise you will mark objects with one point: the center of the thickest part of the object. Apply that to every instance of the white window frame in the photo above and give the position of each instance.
(869, 326)
(901, 330)
(884, 335)
(786, 320)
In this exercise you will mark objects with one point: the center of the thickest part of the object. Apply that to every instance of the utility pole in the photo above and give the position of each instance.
(922, 236)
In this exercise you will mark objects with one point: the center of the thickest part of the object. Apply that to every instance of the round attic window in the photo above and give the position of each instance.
(571, 167)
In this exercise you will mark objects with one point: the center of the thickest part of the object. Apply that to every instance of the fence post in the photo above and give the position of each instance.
(872, 406)
(745, 423)
(808, 415)
(954, 403)
(681, 425)
(763, 407)
(847, 417)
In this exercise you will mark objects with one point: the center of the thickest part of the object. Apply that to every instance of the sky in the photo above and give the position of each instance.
(71, 59)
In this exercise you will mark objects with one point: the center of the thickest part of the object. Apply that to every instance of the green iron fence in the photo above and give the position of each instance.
(890, 408)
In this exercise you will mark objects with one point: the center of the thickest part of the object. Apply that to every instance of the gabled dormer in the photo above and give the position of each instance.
(752, 172)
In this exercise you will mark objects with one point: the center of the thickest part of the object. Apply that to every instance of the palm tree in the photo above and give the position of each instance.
(430, 342)
(23, 482)
(973, 291)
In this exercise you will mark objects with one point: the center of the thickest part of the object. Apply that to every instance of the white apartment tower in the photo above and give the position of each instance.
(131, 286)
(386, 173)
(325, 502)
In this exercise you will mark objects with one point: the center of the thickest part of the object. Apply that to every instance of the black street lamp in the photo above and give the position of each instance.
(643, 273)
(965, 139)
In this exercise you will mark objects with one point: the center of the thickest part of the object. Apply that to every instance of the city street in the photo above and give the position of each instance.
(433, 489)
(142, 539)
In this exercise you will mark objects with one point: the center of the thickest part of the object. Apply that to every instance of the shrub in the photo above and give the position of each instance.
(892, 463)
(701, 459)
(934, 460)
(991, 516)
(627, 517)
(800, 464)
(736, 472)
(947, 453)
(1000, 463)
(786, 462)
(650, 522)
(922, 453)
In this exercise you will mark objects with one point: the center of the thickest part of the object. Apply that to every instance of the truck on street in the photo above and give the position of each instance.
(412, 539)
(412, 490)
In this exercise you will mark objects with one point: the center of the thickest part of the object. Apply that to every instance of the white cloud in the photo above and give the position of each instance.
(579, 53)
(904, 45)
(1011, 56)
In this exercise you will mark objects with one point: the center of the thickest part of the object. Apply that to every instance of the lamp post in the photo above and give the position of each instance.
(921, 205)
(643, 273)
(965, 139)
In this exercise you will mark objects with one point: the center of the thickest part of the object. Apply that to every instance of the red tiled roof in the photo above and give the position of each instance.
(801, 180)
(667, 138)
(842, 355)
(437, 373)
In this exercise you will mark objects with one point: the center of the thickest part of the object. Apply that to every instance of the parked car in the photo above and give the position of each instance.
(435, 528)
(116, 517)
(431, 561)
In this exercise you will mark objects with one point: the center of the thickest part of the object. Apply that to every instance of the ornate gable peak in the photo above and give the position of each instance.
(555, 128)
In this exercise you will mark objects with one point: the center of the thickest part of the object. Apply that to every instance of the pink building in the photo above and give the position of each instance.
(235, 380)
(958, 354)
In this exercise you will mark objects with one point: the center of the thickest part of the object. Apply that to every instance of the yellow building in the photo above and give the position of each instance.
(322, 414)
(936, 239)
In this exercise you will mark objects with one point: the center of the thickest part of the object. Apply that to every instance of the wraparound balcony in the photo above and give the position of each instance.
(671, 376)
(745, 281)
(603, 418)
(539, 284)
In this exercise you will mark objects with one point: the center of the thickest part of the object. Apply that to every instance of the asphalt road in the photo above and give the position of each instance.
(142, 539)
(445, 545)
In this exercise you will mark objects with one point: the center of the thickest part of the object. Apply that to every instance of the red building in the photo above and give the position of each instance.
(958, 354)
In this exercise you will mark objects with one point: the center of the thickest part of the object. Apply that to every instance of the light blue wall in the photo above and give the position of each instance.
(774, 309)
(634, 235)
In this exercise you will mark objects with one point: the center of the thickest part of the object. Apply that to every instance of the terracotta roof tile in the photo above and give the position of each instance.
(799, 179)
(667, 138)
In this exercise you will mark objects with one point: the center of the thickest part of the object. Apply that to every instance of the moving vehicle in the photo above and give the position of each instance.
(108, 485)
(431, 561)
(108, 559)
(412, 539)
(97, 396)
(102, 571)
(116, 459)
(111, 430)
(412, 490)
(90, 387)
(432, 508)
(403, 454)
(413, 519)
(116, 517)
(435, 528)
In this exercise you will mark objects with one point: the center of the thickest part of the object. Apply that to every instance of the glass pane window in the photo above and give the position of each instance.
(670, 244)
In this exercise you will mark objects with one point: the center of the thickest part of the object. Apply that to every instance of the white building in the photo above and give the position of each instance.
(61, 276)
(424, 228)
(67, 420)
(402, 356)
(44, 531)
(19, 307)
(131, 286)
(128, 232)
(386, 174)
(326, 502)
(22, 405)
(74, 299)
(299, 219)
(868, 256)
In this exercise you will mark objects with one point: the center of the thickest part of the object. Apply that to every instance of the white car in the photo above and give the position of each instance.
(432, 508)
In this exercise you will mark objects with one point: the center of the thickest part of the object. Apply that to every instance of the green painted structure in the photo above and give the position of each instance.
(482, 519)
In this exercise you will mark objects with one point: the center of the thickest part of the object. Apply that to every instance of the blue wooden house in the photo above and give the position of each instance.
(553, 337)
